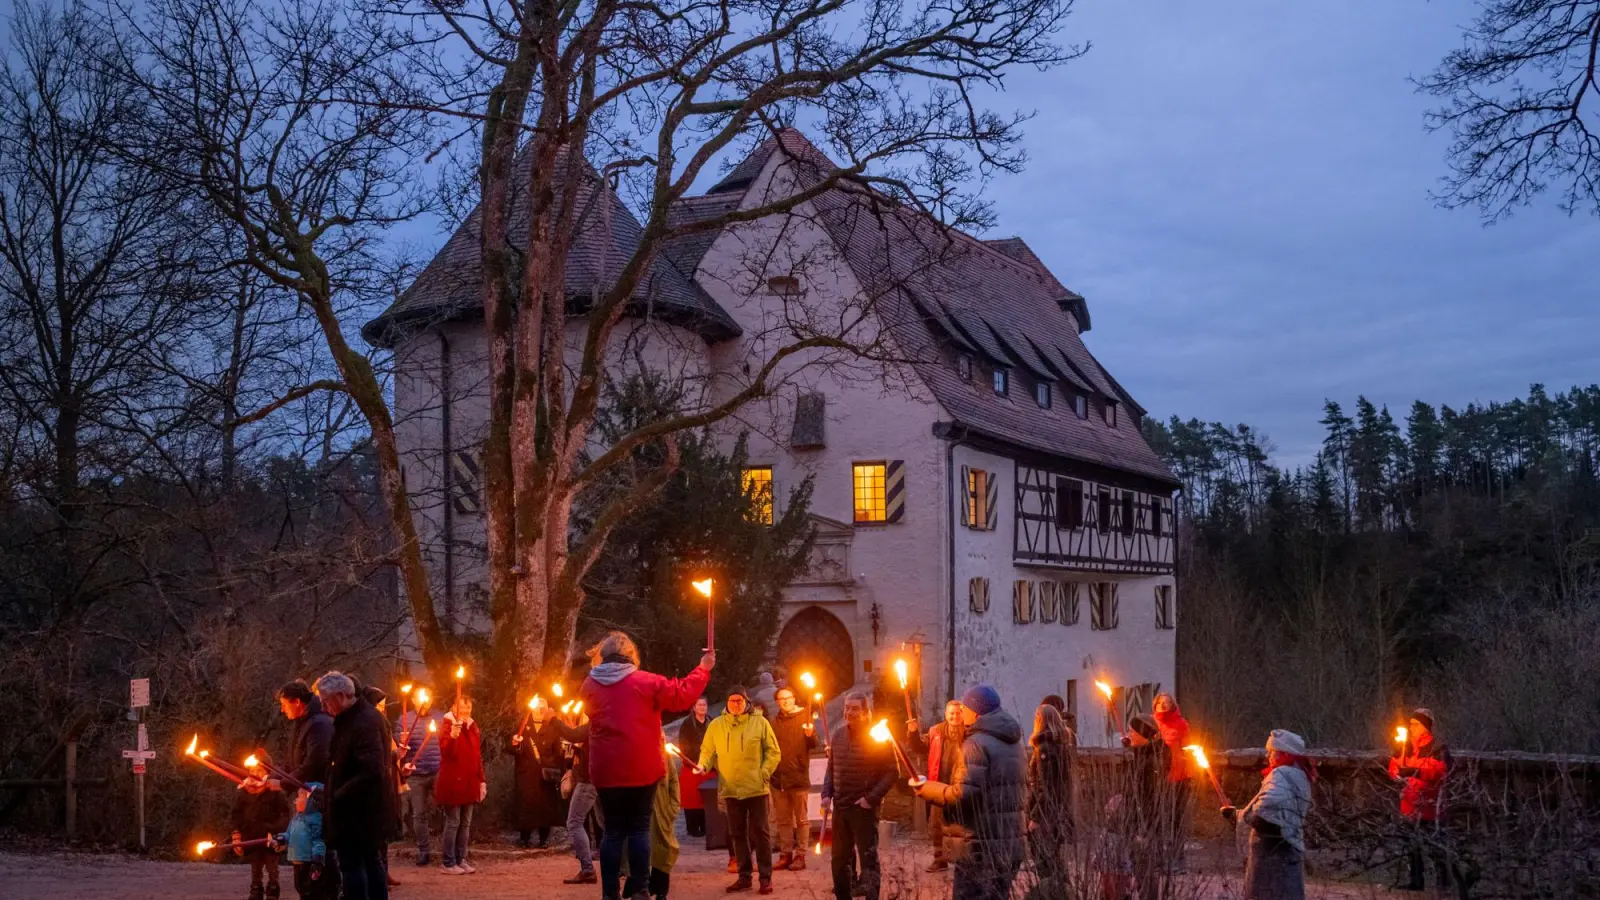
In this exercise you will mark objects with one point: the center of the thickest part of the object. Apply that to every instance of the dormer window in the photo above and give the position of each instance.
(1041, 394)
(1080, 404)
(964, 366)
(1002, 382)
(1111, 413)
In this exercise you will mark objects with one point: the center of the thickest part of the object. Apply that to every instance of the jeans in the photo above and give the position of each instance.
(263, 864)
(626, 812)
(794, 825)
(457, 834)
(582, 803)
(694, 822)
(855, 830)
(421, 801)
(747, 831)
(362, 871)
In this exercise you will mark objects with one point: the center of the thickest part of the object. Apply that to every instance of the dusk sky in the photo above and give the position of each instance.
(1240, 189)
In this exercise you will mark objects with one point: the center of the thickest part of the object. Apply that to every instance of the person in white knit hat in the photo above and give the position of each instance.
(1275, 816)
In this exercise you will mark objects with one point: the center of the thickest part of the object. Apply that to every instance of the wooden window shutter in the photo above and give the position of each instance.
(810, 422)
(466, 477)
(966, 496)
(1049, 601)
(978, 594)
(1165, 619)
(1022, 602)
(991, 503)
(894, 490)
(1103, 606)
(1069, 592)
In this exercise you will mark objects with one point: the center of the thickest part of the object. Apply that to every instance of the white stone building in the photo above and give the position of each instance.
(986, 506)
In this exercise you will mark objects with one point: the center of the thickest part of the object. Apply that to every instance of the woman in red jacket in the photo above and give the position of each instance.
(1421, 767)
(625, 706)
(460, 785)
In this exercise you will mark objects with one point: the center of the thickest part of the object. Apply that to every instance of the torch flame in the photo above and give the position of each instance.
(195, 742)
(1103, 688)
(534, 703)
(566, 707)
(405, 688)
(433, 725)
(703, 586)
(880, 731)
(1199, 755)
(461, 672)
(900, 672)
(817, 696)
(808, 681)
(202, 847)
(817, 850)
(556, 689)
(673, 749)
(204, 753)
(1400, 735)
(423, 696)
(251, 762)
(577, 708)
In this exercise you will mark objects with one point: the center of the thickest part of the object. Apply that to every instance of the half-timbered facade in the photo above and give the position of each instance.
(988, 511)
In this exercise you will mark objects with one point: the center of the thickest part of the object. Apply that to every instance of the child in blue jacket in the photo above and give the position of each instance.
(306, 849)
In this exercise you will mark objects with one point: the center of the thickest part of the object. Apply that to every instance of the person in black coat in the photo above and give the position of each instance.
(311, 731)
(357, 806)
(536, 802)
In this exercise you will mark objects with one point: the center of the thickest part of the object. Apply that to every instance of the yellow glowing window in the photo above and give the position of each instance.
(871, 502)
(758, 489)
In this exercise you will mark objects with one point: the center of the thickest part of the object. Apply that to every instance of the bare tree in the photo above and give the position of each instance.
(1521, 106)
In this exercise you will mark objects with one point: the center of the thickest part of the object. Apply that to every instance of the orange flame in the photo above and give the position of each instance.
(578, 708)
(672, 749)
(250, 762)
(1199, 755)
(405, 688)
(433, 725)
(193, 743)
(566, 707)
(461, 672)
(880, 731)
(557, 690)
(1103, 688)
(202, 847)
(1400, 735)
(534, 703)
(817, 696)
(808, 681)
(900, 672)
(423, 696)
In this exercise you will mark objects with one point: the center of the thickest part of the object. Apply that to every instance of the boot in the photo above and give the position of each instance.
(256, 892)
(783, 860)
(743, 884)
(798, 863)
(272, 892)
(766, 886)
(584, 877)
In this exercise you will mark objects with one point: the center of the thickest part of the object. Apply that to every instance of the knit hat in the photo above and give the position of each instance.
(738, 691)
(1286, 742)
(1425, 716)
(981, 699)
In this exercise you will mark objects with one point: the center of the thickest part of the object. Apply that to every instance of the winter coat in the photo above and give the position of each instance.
(460, 763)
(1422, 797)
(624, 706)
(358, 759)
(690, 733)
(1174, 730)
(578, 739)
(536, 801)
(427, 762)
(394, 827)
(1049, 804)
(663, 821)
(1283, 801)
(943, 750)
(858, 767)
(256, 815)
(304, 837)
(744, 753)
(309, 737)
(794, 750)
(983, 802)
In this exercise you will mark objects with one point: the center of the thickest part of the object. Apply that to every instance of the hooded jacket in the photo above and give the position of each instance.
(983, 801)
(1422, 797)
(1174, 729)
(624, 705)
(794, 749)
(460, 763)
(744, 753)
(304, 837)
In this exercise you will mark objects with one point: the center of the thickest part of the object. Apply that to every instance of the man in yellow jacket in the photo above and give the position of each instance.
(741, 748)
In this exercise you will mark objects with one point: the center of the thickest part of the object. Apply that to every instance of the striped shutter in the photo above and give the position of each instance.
(978, 594)
(1112, 601)
(466, 478)
(1022, 602)
(991, 506)
(1070, 591)
(966, 497)
(894, 489)
(1049, 600)
(1103, 606)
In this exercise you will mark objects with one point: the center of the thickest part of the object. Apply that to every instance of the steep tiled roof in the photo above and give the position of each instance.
(687, 251)
(451, 285)
(935, 285)
(1018, 249)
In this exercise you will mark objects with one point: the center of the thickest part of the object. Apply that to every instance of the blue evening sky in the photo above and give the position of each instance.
(1240, 189)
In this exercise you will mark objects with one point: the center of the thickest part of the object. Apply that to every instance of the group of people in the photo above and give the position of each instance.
(995, 800)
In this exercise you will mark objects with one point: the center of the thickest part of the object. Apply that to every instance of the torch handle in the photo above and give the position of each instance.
(218, 769)
(284, 777)
(711, 625)
(1216, 785)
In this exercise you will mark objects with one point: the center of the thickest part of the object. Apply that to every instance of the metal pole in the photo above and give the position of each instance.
(138, 796)
(72, 790)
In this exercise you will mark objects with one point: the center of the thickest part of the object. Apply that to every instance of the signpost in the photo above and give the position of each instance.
(138, 699)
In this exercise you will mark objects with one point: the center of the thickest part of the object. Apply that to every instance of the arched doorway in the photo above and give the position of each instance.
(814, 640)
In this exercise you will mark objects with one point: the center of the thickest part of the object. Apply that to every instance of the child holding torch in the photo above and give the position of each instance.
(259, 811)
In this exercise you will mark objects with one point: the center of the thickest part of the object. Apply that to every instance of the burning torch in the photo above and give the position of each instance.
(672, 750)
(881, 733)
(203, 758)
(1111, 707)
(703, 588)
(905, 690)
(1205, 765)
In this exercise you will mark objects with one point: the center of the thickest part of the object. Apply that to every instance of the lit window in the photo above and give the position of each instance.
(870, 494)
(758, 493)
(977, 498)
(1041, 394)
(1080, 404)
(1002, 383)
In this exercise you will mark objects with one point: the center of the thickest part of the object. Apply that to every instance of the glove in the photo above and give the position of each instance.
(1230, 813)
(237, 850)
(1127, 741)
(1407, 771)
(316, 871)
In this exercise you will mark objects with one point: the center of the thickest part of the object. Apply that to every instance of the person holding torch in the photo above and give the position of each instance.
(1420, 764)
(1275, 860)
(791, 782)
(741, 748)
(983, 801)
(942, 746)
(859, 775)
(419, 764)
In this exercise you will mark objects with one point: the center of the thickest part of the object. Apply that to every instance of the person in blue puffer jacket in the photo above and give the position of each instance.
(307, 852)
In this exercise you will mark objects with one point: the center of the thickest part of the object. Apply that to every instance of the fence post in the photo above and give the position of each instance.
(72, 790)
